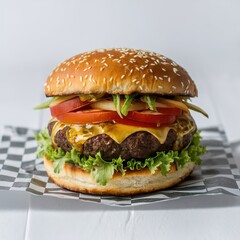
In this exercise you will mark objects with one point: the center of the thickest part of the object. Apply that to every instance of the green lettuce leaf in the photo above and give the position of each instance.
(117, 103)
(102, 171)
(151, 101)
(44, 143)
(46, 104)
(127, 103)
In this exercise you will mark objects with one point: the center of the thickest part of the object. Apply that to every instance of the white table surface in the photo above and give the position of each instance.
(39, 34)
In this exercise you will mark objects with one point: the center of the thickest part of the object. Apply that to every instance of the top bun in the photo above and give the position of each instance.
(119, 71)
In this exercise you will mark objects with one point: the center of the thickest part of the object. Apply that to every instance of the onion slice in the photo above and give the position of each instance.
(164, 102)
(109, 105)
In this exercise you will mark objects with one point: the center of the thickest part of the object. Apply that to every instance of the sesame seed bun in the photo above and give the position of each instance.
(133, 182)
(119, 71)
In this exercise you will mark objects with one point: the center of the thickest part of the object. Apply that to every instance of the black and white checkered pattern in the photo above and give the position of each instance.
(20, 170)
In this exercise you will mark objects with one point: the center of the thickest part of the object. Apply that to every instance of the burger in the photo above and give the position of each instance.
(121, 123)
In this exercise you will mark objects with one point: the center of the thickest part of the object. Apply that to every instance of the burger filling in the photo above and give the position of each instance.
(102, 135)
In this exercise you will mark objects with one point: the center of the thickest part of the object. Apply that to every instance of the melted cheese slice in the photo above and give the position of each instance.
(78, 134)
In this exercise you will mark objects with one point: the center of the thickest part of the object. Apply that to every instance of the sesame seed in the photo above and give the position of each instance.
(70, 83)
(106, 64)
(159, 86)
(51, 79)
(175, 70)
(144, 75)
(164, 69)
(80, 78)
(151, 70)
(130, 71)
(104, 79)
(137, 69)
(85, 69)
(173, 63)
(160, 78)
(122, 76)
(101, 69)
(63, 80)
(169, 79)
(141, 88)
(174, 87)
(134, 80)
(137, 82)
(72, 76)
(124, 64)
(155, 77)
(111, 78)
(48, 87)
(86, 76)
(182, 84)
(162, 58)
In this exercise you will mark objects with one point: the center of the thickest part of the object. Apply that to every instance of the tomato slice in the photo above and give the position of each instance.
(170, 111)
(88, 116)
(67, 106)
(134, 118)
(149, 117)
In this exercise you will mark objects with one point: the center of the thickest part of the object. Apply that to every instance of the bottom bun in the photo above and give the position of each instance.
(133, 182)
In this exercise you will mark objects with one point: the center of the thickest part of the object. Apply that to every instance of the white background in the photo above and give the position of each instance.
(202, 36)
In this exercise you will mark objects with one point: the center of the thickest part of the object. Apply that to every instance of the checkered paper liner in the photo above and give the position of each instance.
(21, 170)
